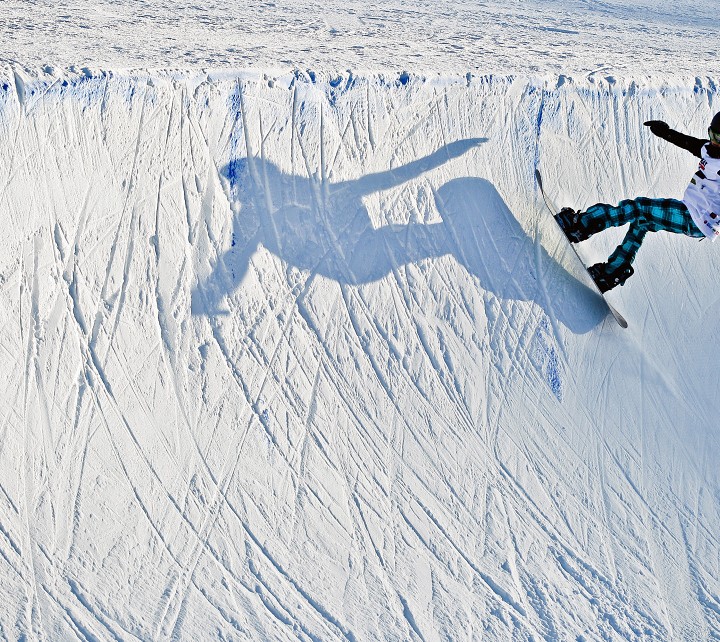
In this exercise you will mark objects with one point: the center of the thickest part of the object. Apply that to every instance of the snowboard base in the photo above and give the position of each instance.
(616, 315)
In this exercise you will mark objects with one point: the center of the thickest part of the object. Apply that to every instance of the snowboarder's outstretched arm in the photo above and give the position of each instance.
(690, 143)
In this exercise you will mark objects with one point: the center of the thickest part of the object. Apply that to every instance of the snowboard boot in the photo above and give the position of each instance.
(569, 220)
(606, 278)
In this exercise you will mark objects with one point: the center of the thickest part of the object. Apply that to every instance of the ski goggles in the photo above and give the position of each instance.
(714, 136)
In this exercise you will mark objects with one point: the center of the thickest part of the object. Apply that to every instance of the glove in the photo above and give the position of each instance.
(657, 127)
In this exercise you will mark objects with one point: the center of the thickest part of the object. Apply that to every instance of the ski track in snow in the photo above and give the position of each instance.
(299, 356)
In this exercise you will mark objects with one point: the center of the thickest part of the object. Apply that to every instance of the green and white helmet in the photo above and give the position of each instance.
(714, 129)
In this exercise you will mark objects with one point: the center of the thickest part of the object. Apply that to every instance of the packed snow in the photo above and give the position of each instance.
(577, 37)
(296, 352)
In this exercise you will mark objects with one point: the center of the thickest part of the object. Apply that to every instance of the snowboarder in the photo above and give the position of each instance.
(696, 215)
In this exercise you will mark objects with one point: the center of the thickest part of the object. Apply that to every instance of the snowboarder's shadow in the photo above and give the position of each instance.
(325, 228)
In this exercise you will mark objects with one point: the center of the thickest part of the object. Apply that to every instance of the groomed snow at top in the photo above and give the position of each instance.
(291, 349)
(575, 37)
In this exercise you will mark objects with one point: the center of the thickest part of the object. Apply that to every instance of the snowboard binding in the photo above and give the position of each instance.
(571, 223)
(606, 278)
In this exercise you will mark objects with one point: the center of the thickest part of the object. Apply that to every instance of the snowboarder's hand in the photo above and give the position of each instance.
(657, 127)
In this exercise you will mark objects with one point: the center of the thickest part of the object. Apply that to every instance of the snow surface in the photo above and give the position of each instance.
(299, 357)
(575, 37)
(295, 352)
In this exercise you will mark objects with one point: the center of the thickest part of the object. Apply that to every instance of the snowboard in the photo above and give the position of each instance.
(616, 315)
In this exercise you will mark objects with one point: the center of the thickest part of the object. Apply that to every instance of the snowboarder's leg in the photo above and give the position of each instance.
(579, 226)
(618, 267)
(648, 215)
(669, 215)
(625, 253)
(602, 216)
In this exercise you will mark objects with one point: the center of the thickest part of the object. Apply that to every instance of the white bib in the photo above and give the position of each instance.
(702, 196)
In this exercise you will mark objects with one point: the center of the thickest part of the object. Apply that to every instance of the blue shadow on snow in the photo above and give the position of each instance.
(325, 228)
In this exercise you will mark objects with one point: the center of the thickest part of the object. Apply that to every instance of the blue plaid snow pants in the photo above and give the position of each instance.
(644, 215)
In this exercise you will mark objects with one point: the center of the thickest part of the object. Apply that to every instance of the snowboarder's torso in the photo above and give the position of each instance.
(702, 196)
